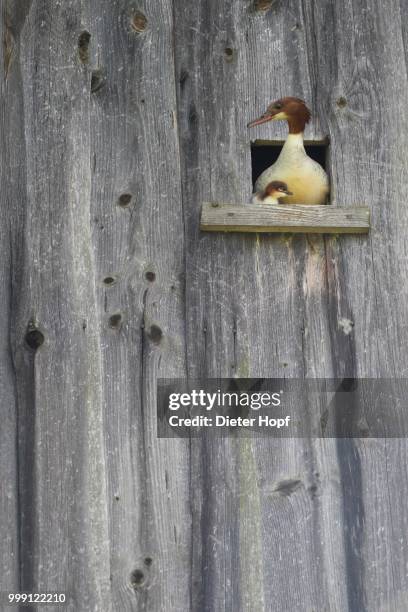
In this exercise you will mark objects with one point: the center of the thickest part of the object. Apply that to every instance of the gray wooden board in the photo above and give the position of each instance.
(61, 487)
(134, 150)
(280, 305)
(253, 301)
(94, 504)
(280, 218)
(367, 145)
(12, 214)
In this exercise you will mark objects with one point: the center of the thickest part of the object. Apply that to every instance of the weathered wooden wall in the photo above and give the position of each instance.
(92, 503)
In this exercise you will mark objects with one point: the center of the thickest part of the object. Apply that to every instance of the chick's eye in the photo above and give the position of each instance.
(278, 106)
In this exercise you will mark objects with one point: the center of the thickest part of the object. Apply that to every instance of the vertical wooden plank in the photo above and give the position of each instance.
(63, 523)
(255, 302)
(367, 278)
(138, 237)
(12, 212)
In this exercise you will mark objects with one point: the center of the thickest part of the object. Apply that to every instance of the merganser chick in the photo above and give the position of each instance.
(272, 193)
(307, 179)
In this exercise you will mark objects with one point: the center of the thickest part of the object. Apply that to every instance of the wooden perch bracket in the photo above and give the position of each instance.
(296, 218)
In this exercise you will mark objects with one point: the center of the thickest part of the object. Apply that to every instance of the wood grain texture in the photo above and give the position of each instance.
(254, 307)
(140, 243)
(105, 156)
(12, 214)
(216, 217)
(269, 308)
(366, 158)
(61, 487)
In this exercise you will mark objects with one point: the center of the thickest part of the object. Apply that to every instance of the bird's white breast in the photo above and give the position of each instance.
(305, 177)
(257, 199)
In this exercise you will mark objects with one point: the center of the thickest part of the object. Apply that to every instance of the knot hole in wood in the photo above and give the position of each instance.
(83, 46)
(139, 22)
(34, 337)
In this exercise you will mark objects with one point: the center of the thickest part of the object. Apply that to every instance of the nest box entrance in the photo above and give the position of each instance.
(264, 153)
(294, 218)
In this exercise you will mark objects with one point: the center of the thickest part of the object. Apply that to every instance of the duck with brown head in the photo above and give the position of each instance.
(274, 191)
(307, 179)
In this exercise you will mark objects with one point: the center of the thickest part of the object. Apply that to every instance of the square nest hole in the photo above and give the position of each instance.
(264, 153)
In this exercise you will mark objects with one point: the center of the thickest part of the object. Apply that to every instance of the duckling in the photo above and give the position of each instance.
(307, 179)
(272, 193)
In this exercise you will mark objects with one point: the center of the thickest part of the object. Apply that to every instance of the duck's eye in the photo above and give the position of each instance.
(278, 106)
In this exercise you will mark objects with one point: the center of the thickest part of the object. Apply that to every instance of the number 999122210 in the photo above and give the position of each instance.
(40, 598)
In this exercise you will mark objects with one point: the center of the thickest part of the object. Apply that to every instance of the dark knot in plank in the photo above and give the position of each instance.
(98, 80)
(109, 281)
(115, 321)
(155, 334)
(137, 579)
(83, 46)
(34, 337)
(150, 276)
(139, 22)
(263, 5)
(125, 199)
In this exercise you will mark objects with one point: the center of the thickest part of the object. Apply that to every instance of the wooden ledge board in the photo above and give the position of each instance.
(295, 218)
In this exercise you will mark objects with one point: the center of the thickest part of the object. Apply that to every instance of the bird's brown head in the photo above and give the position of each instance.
(292, 110)
(276, 189)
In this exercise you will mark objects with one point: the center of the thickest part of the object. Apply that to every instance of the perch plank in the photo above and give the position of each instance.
(218, 217)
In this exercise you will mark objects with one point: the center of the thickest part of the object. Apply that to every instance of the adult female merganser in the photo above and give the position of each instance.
(272, 193)
(307, 179)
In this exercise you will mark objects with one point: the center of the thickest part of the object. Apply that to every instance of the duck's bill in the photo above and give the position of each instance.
(259, 121)
(289, 192)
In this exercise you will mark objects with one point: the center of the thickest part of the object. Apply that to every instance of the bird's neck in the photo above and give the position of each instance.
(296, 124)
(295, 139)
(294, 142)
